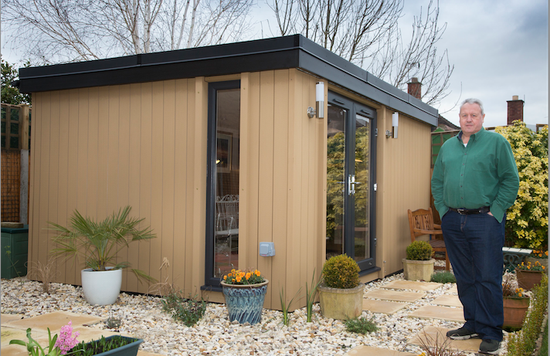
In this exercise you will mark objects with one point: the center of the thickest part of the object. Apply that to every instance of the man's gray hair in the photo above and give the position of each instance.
(473, 101)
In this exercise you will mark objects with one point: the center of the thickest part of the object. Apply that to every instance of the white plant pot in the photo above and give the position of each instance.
(101, 287)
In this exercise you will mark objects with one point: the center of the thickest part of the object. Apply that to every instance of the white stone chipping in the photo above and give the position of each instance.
(143, 317)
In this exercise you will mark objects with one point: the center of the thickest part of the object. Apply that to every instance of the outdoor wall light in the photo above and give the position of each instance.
(319, 102)
(394, 124)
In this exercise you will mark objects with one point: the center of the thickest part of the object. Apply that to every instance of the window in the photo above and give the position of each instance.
(222, 230)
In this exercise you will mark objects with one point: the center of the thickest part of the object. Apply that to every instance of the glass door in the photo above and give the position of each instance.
(350, 185)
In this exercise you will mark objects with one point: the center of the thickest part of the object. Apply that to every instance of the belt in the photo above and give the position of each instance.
(462, 211)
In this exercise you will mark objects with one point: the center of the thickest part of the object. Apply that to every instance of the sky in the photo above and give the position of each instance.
(498, 48)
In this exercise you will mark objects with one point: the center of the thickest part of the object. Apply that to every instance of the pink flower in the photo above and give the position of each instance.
(65, 340)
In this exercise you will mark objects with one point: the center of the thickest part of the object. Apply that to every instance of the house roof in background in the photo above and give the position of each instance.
(286, 52)
(446, 125)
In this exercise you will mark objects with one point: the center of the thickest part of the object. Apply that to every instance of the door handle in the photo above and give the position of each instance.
(351, 184)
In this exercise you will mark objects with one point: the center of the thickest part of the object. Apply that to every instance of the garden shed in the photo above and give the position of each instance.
(224, 148)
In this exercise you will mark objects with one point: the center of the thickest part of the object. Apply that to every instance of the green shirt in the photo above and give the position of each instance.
(484, 173)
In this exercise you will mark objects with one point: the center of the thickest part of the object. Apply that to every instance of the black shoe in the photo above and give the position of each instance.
(461, 334)
(489, 347)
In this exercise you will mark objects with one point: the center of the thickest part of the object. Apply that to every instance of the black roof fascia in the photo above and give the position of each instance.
(286, 52)
(346, 74)
(276, 53)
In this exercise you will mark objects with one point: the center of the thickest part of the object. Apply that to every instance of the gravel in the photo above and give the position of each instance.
(143, 317)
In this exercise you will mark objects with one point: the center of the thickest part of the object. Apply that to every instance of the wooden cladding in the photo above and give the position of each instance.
(144, 145)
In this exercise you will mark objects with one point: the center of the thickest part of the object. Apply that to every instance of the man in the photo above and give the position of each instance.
(475, 180)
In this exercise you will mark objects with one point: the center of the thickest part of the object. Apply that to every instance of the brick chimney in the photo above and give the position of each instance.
(415, 88)
(515, 110)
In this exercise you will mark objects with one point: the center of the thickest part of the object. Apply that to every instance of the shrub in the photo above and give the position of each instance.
(443, 277)
(360, 325)
(527, 219)
(189, 311)
(419, 251)
(523, 342)
(341, 272)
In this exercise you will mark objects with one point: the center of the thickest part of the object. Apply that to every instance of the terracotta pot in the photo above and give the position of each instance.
(514, 311)
(528, 279)
(341, 304)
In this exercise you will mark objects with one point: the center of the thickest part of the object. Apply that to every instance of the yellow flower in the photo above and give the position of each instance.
(238, 279)
(248, 275)
(257, 273)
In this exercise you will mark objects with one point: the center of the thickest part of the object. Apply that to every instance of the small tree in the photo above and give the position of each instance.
(527, 219)
(11, 94)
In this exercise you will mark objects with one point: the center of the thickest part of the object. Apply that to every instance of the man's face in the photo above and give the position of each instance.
(471, 119)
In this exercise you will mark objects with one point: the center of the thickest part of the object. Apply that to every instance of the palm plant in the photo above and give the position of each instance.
(100, 242)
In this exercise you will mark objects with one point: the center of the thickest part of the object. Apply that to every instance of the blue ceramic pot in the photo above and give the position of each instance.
(245, 302)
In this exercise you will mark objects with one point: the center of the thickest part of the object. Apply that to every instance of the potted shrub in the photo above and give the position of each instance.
(98, 243)
(340, 293)
(244, 294)
(515, 303)
(529, 274)
(419, 264)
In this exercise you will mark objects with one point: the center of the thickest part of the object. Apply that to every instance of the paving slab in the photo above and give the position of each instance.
(448, 300)
(453, 290)
(6, 318)
(54, 321)
(12, 333)
(14, 350)
(414, 285)
(432, 334)
(88, 334)
(392, 294)
(375, 351)
(382, 306)
(438, 312)
(145, 353)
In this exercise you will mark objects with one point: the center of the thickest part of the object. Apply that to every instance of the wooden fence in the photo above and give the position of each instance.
(15, 150)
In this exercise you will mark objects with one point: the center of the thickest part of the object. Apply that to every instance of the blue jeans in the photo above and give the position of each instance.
(474, 246)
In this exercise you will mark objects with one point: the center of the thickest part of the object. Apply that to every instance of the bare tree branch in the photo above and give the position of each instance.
(54, 31)
(366, 32)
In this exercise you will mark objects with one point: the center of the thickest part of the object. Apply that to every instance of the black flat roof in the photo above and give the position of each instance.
(285, 52)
